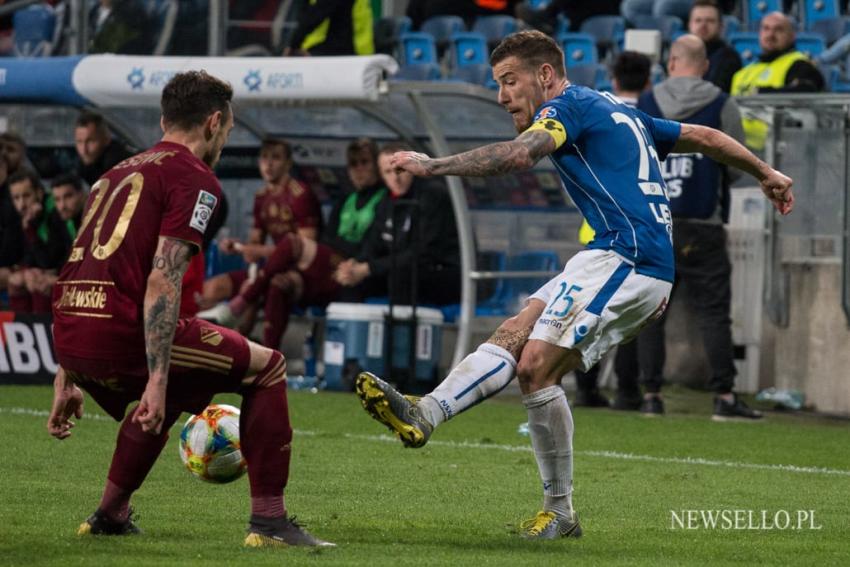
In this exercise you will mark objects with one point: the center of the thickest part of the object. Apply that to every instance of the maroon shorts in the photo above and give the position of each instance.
(205, 360)
(237, 278)
(319, 285)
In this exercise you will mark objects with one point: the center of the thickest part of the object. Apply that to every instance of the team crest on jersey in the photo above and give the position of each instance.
(203, 211)
(546, 112)
(210, 336)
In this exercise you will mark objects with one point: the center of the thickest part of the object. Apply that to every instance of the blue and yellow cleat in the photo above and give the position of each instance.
(547, 525)
(99, 524)
(398, 412)
(280, 532)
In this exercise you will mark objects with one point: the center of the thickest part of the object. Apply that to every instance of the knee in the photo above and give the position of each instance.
(529, 369)
(268, 367)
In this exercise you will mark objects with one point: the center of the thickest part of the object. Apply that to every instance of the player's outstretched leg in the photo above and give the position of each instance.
(134, 456)
(479, 376)
(266, 435)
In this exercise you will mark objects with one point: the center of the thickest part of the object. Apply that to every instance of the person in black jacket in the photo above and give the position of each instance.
(97, 150)
(45, 247)
(333, 27)
(706, 22)
(10, 227)
(414, 231)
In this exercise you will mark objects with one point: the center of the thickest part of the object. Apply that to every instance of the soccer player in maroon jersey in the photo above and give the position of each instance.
(117, 331)
(283, 207)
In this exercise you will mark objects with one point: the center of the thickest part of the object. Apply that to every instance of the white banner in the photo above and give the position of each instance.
(121, 80)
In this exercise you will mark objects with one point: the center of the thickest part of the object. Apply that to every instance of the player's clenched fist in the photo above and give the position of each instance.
(414, 162)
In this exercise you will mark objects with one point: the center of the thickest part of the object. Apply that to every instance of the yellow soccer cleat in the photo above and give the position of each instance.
(547, 525)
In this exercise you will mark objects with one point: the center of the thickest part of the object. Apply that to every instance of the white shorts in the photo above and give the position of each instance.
(597, 302)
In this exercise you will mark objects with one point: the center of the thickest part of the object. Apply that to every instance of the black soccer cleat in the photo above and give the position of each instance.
(734, 411)
(99, 524)
(280, 532)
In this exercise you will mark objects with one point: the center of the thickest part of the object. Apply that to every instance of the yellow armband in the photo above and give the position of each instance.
(551, 127)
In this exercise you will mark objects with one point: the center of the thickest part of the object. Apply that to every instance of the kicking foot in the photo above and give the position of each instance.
(399, 413)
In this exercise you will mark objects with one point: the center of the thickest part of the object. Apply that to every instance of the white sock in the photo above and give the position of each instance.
(482, 374)
(550, 426)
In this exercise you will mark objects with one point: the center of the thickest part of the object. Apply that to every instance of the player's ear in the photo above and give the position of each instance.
(546, 74)
(213, 124)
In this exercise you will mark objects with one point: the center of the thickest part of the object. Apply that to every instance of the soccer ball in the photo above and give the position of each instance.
(209, 444)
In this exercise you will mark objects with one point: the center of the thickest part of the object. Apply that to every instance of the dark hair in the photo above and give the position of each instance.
(706, 4)
(270, 142)
(189, 98)
(533, 48)
(361, 145)
(71, 179)
(14, 138)
(631, 69)
(88, 117)
(23, 174)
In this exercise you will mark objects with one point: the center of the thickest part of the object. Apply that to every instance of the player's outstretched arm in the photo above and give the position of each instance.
(67, 402)
(493, 159)
(161, 308)
(723, 148)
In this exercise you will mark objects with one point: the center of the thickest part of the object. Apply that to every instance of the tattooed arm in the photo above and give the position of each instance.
(494, 159)
(161, 308)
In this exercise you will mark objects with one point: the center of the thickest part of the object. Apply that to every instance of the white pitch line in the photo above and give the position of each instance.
(527, 449)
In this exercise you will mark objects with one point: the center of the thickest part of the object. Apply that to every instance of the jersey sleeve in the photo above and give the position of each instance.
(665, 133)
(189, 206)
(559, 120)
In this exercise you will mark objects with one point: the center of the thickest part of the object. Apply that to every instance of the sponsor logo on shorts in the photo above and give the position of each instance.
(551, 323)
(580, 333)
(203, 211)
(210, 336)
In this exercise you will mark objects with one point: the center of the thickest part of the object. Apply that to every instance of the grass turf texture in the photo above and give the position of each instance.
(445, 504)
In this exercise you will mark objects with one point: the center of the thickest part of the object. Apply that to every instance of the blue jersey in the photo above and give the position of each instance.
(608, 159)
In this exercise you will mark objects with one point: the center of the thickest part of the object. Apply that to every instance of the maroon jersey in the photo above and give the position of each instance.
(99, 298)
(281, 210)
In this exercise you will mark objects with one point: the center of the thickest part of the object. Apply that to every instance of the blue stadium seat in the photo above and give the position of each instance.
(669, 26)
(476, 73)
(537, 4)
(831, 28)
(418, 72)
(586, 75)
(468, 48)
(754, 10)
(605, 29)
(387, 33)
(562, 25)
(418, 48)
(441, 28)
(812, 44)
(34, 31)
(747, 46)
(217, 263)
(731, 24)
(656, 73)
(495, 28)
(512, 289)
(579, 48)
(814, 10)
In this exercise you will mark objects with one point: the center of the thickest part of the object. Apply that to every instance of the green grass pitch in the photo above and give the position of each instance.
(454, 502)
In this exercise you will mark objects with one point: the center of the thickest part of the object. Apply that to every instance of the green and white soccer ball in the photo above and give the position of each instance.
(209, 444)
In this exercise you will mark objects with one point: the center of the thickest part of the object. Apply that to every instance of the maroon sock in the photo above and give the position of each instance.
(20, 300)
(135, 454)
(41, 303)
(285, 257)
(277, 308)
(266, 435)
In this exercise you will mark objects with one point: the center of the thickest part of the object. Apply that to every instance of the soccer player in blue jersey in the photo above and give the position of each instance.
(607, 155)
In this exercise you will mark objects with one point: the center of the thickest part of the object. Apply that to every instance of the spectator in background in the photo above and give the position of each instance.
(45, 246)
(420, 10)
(630, 77)
(414, 229)
(120, 26)
(699, 202)
(283, 207)
(706, 22)
(634, 9)
(302, 269)
(333, 27)
(11, 234)
(97, 150)
(14, 149)
(780, 68)
(69, 199)
(577, 12)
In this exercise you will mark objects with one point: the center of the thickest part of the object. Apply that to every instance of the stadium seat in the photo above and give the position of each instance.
(812, 44)
(537, 4)
(586, 75)
(387, 33)
(418, 72)
(831, 28)
(34, 31)
(468, 48)
(753, 10)
(815, 10)
(441, 29)
(562, 25)
(605, 29)
(476, 73)
(669, 26)
(579, 48)
(656, 73)
(495, 28)
(511, 291)
(747, 46)
(418, 48)
(731, 24)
